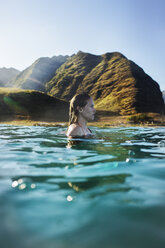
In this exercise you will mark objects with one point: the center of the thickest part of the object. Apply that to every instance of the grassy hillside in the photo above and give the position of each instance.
(69, 76)
(117, 84)
(31, 104)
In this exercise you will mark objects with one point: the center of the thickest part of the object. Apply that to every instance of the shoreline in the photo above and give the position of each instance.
(99, 123)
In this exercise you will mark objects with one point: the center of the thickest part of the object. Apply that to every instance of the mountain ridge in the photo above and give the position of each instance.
(116, 83)
(36, 75)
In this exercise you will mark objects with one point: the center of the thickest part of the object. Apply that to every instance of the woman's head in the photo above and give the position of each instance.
(81, 104)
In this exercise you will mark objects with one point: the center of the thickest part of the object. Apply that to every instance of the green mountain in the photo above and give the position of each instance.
(41, 71)
(7, 74)
(116, 84)
(31, 104)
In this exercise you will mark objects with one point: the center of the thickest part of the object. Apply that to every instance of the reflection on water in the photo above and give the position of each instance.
(56, 192)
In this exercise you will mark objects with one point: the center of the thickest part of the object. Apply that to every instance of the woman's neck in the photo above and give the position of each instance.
(82, 122)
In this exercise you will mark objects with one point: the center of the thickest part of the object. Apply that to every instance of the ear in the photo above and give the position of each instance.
(79, 109)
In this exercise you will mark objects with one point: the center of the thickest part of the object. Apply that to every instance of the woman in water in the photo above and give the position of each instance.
(81, 111)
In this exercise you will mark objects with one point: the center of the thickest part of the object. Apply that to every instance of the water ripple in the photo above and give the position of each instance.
(73, 187)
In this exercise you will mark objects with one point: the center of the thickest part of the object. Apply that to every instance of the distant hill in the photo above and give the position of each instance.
(31, 104)
(6, 74)
(116, 84)
(40, 72)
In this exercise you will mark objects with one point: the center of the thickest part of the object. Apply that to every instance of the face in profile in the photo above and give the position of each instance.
(88, 112)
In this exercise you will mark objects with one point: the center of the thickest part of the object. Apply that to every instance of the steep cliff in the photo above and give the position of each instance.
(115, 83)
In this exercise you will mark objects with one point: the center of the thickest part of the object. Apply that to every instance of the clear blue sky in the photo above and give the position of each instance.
(30, 29)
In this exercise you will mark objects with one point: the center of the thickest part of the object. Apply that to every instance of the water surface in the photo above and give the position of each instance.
(108, 191)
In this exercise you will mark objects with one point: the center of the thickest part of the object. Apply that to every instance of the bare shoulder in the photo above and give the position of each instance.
(74, 130)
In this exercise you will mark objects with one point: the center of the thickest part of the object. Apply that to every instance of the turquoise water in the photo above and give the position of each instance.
(108, 191)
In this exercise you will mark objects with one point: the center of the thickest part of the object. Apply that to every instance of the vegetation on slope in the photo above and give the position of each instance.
(116, 83)
(69, 76)
(31, 104)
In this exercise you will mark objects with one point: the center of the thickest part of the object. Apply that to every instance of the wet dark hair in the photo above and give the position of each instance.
(79, 100)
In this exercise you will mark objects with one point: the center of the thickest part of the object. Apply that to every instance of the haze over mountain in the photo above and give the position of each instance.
(40, 72)
(6, 74)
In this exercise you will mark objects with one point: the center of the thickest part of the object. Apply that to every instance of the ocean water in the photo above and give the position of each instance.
(108, 191)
